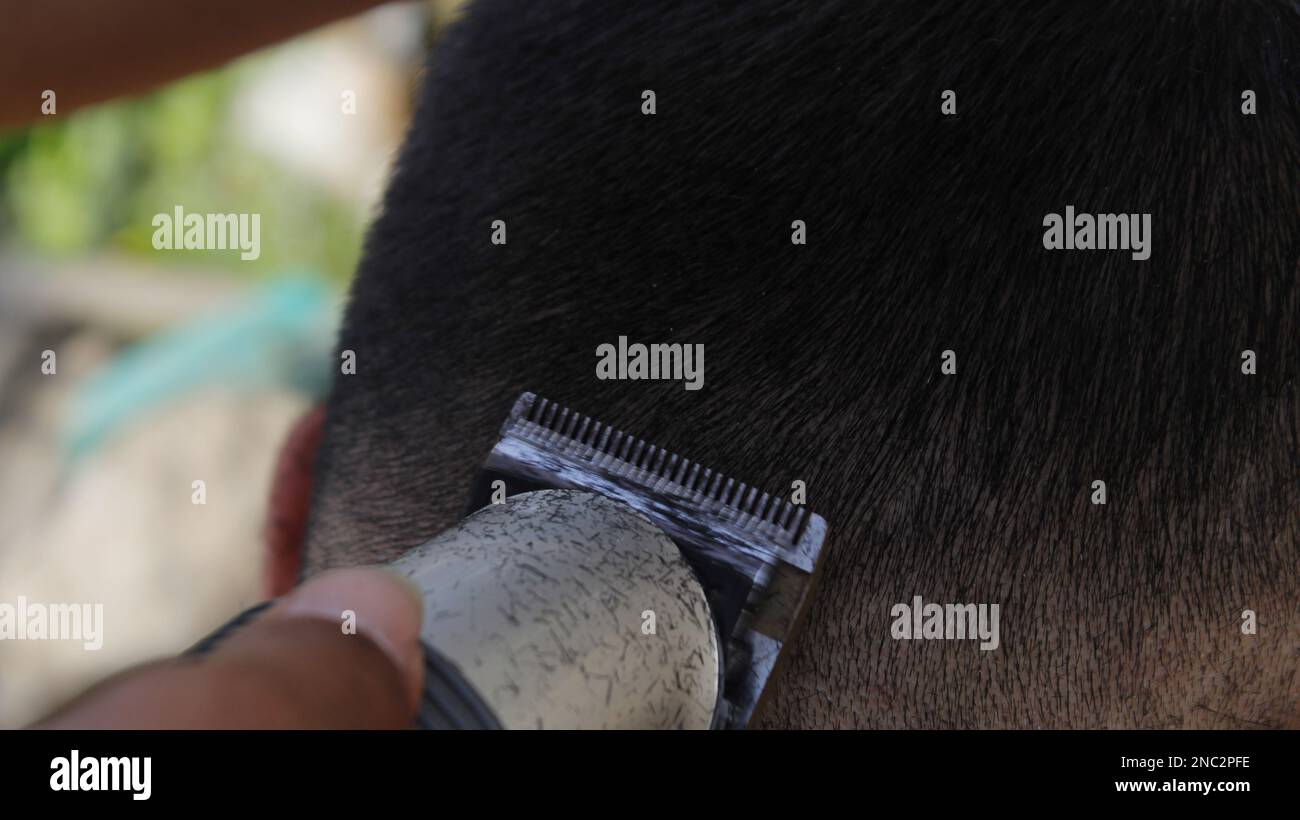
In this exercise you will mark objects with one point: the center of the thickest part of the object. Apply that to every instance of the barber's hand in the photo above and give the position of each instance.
(293, 667)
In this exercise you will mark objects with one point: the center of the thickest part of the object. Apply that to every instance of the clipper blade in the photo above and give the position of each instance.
(756, 555)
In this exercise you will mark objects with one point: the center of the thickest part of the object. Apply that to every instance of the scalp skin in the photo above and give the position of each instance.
(924, 235)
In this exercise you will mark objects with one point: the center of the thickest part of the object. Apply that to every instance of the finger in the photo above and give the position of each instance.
(296, 666)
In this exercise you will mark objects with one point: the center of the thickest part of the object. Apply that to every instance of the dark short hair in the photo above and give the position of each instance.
(924, 234)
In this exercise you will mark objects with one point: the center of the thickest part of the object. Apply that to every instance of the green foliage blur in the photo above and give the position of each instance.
(95, 179)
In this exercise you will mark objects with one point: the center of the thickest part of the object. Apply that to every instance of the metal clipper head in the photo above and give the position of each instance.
(756, 555)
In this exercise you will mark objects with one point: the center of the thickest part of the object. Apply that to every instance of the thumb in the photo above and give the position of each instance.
(297, 666)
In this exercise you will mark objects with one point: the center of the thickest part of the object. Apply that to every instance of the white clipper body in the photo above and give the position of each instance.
(565, 609)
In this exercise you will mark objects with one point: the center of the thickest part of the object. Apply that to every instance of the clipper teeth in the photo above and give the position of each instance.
(755, 553)
(612, 448)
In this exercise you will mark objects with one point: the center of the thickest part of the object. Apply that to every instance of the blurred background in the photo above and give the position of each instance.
(172, 367)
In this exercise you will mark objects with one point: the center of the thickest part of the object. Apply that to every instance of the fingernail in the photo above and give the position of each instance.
(383, 606)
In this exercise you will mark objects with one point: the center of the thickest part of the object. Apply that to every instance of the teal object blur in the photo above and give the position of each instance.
(282, 335)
